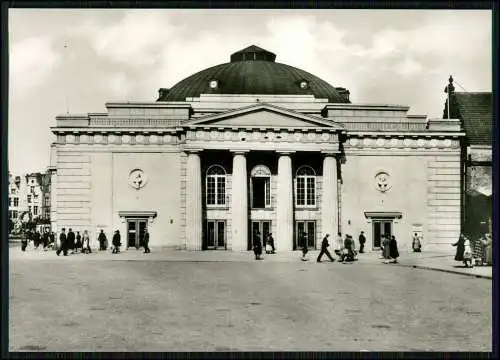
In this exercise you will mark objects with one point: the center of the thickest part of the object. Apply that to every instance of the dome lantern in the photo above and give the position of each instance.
(253, 53)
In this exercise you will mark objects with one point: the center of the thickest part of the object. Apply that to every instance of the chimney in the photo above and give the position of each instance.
(343, 92)
(163, 92)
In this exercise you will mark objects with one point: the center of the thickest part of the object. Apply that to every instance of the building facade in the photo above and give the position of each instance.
(255, 145)
(17, 198)
(475, 111)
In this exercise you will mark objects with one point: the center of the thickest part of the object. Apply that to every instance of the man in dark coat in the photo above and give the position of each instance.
(71, 240)
(460, 244)
(303, 243)
(270, 239)
(45, 239)
(145, 242)
(257, 245)
(324, 249)
(63, 246)
(393, 249)
(102, 240)
(116, 242)
(362, 241)
(349, 246)
(37, 239)
(24, 241)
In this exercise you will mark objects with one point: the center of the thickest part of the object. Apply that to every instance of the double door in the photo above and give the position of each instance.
(216, 234)
(136, 228)
(381, 228)
(307, 227)
(263, 227)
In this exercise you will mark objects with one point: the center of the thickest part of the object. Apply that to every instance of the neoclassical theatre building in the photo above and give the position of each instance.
(254, 144)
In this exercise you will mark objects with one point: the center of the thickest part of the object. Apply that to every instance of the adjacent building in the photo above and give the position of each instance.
(29, 197)
(475, 111)
(256, 146)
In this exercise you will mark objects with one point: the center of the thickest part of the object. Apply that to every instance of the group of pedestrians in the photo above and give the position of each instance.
(258, 248)
(476, 252)
(47, 240)
(74, 243)
(390, 252)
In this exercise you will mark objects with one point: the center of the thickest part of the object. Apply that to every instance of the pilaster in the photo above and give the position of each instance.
(329, 206)
(239, 203)
(193, 202)
(284, 213)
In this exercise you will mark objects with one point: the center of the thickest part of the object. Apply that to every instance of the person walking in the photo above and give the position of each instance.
(385, 247)
(63, 243)
(324, 249)
(146, 242)
(78, 244)
(393, 249)
(24, 242)
(257, 246)
(349, 246)
(52, 240)
(86, 243)
(362, 241)
(478, 251)
(37, 239)
(102, 240)
(116, 242)
(416, 244)
(45, 239)
(71, 241)
(304, 247)
(463, 253)
(270, 240)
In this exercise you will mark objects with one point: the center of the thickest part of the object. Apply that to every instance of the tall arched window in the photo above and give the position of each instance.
(216, 185)
(261, 187)
(305, 186)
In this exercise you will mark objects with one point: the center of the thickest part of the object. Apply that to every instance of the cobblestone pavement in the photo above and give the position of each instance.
(91, 303)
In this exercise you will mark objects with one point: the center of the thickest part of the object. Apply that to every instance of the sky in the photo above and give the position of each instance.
(76, 60)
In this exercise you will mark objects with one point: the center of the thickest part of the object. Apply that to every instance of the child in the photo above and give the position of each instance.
(467, 254)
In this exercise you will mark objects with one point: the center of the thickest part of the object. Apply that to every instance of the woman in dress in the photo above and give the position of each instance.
(463, 253)
(86, 242)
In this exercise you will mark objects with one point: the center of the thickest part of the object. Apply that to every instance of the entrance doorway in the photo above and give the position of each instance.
(216, 234)
(136, 228)
(309, 227)
(263, 227)
(380, 227)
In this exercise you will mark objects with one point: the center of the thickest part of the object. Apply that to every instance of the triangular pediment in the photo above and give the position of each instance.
(263, 115)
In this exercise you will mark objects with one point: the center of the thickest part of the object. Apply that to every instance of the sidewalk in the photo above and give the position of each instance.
(437, 261)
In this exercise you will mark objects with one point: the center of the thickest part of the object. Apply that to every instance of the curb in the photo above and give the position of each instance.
(447, 271)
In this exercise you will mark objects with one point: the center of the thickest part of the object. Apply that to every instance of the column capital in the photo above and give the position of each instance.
(326, 153)
(193, 151)
(240, 152)
(285, 152)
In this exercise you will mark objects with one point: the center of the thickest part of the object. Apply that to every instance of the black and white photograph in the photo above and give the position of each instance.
(245, 180)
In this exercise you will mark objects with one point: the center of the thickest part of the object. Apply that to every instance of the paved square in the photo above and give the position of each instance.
(95, 303)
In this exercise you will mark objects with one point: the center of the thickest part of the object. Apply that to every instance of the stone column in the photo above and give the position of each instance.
(239, 203)
(193, 202)
(329, 209)
(284, 210)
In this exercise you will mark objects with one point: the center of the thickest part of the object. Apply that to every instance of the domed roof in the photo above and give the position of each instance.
(253, 71)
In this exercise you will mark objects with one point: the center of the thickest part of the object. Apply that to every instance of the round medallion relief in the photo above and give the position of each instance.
(256, 135)
(311, 136)
(380, 142)
(354, 141)
(125, 138)
(167, 138)
(228, 135)
(242, 134)
(137, 179)
(325, 136)
(214, 135)
(433, 143)
(394, 142)
(447, 143)
(298, 136)
(407, 142)
(153, 139)
(382, 181)
(420, 142)
(367, 142)
(200, 134)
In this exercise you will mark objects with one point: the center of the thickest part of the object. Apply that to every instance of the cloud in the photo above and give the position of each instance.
(137, 39)
(31, 62)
